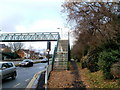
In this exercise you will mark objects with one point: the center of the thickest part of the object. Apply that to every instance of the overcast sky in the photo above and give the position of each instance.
(32, 16)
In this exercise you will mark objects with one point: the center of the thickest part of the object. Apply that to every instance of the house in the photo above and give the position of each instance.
(28, 54)
(4, 51)
(23, 53)
(20, 53)
(37, 55)
(32, 54)
(3, 47)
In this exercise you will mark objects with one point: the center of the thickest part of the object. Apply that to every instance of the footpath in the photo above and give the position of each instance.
(66, 78)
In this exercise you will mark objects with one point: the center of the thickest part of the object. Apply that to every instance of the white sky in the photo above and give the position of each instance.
(32, 16)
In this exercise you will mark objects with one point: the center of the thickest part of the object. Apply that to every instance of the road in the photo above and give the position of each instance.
(24, 75)
(17, 62)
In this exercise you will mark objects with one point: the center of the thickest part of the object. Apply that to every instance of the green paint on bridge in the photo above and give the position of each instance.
(23, 37)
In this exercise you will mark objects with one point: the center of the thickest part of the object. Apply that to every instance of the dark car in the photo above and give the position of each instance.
(26, 62)
(44, 60)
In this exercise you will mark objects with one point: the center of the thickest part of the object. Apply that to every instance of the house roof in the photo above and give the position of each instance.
(36, 53)
(3, 46)
(6, 50)
(31, 52)
(27, 51)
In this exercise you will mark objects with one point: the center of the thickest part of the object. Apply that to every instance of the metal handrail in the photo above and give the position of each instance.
(33, 83)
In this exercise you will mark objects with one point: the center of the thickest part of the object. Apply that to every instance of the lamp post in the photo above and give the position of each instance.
(61, 31)
(69, 43)
(48, 55)
(69, 46)
(48, 50)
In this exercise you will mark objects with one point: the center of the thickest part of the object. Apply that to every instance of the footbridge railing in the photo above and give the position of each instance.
(22, 37)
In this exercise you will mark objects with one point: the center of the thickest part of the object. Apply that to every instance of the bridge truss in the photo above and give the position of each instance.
(23, 37)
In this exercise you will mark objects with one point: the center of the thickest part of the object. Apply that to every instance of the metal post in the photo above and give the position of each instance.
(48, 56)
(46, 77)
(69, 57)
(53, 57)
(48, 49)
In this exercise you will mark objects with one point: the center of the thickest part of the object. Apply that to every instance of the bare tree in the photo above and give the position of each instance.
(94, 23)
(31, 51)
(94, 18)
(16, 46)
(30, 47)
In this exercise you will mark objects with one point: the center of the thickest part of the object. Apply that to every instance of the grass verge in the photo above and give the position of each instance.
(96, 80)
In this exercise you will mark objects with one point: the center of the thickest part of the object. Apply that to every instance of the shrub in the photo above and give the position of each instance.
(83, 62)
(115, 70)
(11, 55)
(92, 60)
(106, 59)
(92, 63)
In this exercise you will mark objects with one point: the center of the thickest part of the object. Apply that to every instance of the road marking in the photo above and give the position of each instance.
(17, 85)
(26, 80)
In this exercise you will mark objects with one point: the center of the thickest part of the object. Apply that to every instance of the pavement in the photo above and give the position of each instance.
(66, 78)
(41, 82)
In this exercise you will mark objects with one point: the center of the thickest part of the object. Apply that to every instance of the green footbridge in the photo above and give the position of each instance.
(61, 53)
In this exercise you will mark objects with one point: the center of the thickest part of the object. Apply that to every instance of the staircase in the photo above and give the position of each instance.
(61, 57)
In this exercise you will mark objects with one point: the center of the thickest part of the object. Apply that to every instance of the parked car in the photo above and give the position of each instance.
(41, 57)
(7, 69)
(44, 60)
(72, 59)
(26, 62)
